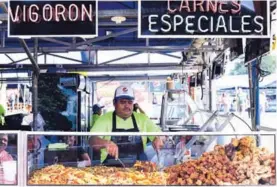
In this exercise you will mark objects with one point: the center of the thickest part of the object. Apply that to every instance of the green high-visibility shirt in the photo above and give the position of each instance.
(104, 124)
(93, 120)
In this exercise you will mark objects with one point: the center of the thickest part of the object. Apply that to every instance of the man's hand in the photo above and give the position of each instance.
(158, 143)
(112, 149)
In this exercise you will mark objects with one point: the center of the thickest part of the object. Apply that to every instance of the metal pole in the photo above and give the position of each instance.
(251, 97)
(45, 58)
(33, 61)
(35, 87)
(96, 57)
(256, 93)
(210, 89)
(148, 53)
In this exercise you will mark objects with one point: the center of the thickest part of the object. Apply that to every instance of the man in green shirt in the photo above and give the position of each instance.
(123, 119)
(97, 112)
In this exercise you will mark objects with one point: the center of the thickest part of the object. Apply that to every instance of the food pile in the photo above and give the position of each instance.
(99, 175)
(238, 163)
(254, 165)
(213, 168)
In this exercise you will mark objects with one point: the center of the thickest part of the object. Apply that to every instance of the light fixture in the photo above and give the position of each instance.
(1, 21)
(118, 19)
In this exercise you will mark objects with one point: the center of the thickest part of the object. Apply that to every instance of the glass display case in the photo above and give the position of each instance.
(180, 113)
(188, 158)
(10, 155)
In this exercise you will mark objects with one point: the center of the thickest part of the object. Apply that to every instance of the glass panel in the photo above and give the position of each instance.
(8, 159)
(183, 160)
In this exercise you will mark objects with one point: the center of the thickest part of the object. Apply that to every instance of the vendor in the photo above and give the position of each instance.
(123, 119)
(97, 112)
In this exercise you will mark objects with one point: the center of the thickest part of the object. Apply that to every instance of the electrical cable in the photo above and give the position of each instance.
(243, 121)
(260, 72)
(201, 85)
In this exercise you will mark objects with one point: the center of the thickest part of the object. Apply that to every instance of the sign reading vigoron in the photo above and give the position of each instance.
(201, 18)
(52, 18)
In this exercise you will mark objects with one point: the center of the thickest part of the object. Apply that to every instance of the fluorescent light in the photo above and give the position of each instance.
(118, 19)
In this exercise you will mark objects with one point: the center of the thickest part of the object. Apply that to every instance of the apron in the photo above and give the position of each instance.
(130, 148)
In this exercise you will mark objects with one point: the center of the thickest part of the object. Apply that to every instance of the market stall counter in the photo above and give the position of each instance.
(239, 162)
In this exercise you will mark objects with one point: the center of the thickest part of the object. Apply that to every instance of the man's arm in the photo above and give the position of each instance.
(101, 125)
(98, 143)
(157, 141)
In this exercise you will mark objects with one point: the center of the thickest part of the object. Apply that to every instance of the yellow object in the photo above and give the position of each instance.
(57, 146)
(93, 120)
(80, 72)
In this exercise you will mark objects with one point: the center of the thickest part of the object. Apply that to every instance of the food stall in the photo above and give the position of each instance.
(202, 146)
(238, 162)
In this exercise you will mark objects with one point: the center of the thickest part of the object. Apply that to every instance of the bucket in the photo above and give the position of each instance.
(10, 171)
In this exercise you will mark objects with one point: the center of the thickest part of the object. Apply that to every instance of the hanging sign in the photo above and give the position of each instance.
(52, 18)
(203, 18)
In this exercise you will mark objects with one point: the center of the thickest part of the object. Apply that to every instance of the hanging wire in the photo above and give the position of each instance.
(201, 85)
(260, 72)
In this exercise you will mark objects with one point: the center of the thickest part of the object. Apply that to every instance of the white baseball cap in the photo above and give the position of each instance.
(124, 92)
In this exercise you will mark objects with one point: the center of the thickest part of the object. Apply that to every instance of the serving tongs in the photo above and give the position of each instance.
(123, 165)
(120, 161)
(160, 165)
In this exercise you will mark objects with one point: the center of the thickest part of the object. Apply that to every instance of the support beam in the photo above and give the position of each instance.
(113, 35)
(252, 106)
(74, 40)
(58, 56)
(13, 62)
(210, 90)
(120, 58)
(148, 53)
(173, 56)
(111, 67)
(128, 78)
(110, 24)
(109, 48)
(56, 41)
(96, 57)
(28, 52)
(35, 86)
(3, 43)
(256, 93)
(127, 6)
